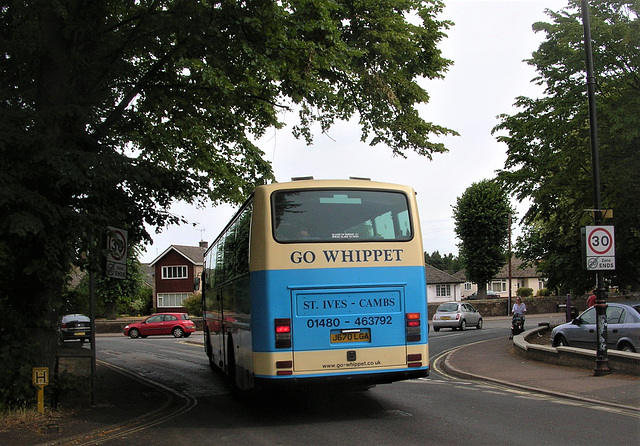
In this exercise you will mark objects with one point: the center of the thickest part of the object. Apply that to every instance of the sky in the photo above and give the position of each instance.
(488, 45)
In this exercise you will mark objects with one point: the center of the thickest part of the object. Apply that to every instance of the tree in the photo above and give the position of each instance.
(112, 110)
(549, 155)
(435, 260)
(482, 224)
(448, 262)
(113, 297)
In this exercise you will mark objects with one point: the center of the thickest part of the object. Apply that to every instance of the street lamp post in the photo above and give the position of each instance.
(602, 360)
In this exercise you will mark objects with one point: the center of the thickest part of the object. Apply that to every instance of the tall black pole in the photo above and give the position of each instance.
(510, 257)
(92, 315)
(602, 360)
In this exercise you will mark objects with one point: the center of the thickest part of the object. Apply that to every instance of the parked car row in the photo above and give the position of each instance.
(78, 326)
(623, 325)
(490, 295)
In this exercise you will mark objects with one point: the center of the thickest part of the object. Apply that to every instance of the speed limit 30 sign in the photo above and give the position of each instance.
(600, 248)
(116, 265)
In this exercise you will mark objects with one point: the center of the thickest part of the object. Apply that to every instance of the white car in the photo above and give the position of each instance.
(456, 315)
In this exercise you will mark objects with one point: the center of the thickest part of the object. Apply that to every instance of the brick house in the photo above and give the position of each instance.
(174, 274)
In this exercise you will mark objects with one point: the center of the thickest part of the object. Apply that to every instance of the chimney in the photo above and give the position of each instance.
(203, 244)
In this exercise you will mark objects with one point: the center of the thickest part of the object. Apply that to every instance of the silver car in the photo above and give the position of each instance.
(623, 329)
(456, 315)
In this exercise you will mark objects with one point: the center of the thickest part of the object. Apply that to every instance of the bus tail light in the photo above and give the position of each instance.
(280, 365)
(413, 327)
(414, 360)
(283, 333)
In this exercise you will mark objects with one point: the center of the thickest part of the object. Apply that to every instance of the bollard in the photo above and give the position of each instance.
(568, 309)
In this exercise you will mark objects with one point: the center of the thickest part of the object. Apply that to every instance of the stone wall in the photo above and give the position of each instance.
(535, 305)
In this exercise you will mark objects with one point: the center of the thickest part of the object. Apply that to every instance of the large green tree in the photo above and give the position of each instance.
(113, 109)
(549, 153)
(481, 217)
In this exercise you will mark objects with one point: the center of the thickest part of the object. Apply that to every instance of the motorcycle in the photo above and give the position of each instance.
(517, 325)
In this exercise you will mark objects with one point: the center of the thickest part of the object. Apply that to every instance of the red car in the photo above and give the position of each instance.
(177, 324)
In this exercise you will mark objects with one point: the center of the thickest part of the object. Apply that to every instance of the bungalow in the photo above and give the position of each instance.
(175, 271)
(521, 276)
(442, 286)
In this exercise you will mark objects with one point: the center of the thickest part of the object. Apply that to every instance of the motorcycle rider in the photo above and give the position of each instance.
(519, 308)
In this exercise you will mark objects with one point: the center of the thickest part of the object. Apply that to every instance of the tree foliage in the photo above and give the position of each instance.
(549, 153)
(113, 297)
(113, 109)
(481, 217)
(447, 262)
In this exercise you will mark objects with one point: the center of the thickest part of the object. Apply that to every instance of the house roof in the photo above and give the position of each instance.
(195, 254)
(518, 271)
(434, 275)
(147, 273)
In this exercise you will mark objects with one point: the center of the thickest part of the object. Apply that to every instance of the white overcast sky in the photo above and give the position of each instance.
(488, 43)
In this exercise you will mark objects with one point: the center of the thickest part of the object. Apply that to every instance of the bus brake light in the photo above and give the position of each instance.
(283, 333)
(413, 327)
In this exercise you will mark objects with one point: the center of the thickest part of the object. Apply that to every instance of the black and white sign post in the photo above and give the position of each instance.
(602, 360)
(600, 250)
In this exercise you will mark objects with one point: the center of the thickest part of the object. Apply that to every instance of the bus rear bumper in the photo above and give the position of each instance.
(347, 381)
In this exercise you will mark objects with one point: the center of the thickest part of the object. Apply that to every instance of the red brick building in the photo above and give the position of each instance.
(175, 271)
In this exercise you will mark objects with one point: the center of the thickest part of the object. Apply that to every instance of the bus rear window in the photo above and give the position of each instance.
(340, 216)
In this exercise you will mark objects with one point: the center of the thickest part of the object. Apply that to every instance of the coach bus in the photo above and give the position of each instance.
(315, 282)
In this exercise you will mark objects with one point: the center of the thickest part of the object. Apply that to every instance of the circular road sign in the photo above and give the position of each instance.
(117, 245)
(600, 240)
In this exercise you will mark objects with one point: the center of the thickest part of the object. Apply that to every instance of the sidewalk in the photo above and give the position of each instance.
(497, 361)
(121, 401)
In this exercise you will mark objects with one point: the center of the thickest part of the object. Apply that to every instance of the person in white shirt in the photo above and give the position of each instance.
(519, 308)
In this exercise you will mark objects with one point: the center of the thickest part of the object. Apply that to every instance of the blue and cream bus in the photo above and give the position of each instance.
(318, 281)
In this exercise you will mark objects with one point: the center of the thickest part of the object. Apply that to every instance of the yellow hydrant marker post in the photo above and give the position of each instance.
(40, 377)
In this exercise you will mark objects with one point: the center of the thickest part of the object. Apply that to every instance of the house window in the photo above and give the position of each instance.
(467, 286)
(498, 285)
(541, 284)
(174, 272)
(171, 299)
(443, 290)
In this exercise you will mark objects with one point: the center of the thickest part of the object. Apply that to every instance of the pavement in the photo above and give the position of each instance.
(80, 422)
(497, 361)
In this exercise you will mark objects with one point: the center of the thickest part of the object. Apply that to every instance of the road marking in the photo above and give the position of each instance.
(158, 416)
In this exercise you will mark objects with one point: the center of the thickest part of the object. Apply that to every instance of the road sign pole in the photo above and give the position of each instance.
(93, 262)
(602, 360)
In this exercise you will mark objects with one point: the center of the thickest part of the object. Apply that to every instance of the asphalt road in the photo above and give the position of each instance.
(431, 411)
